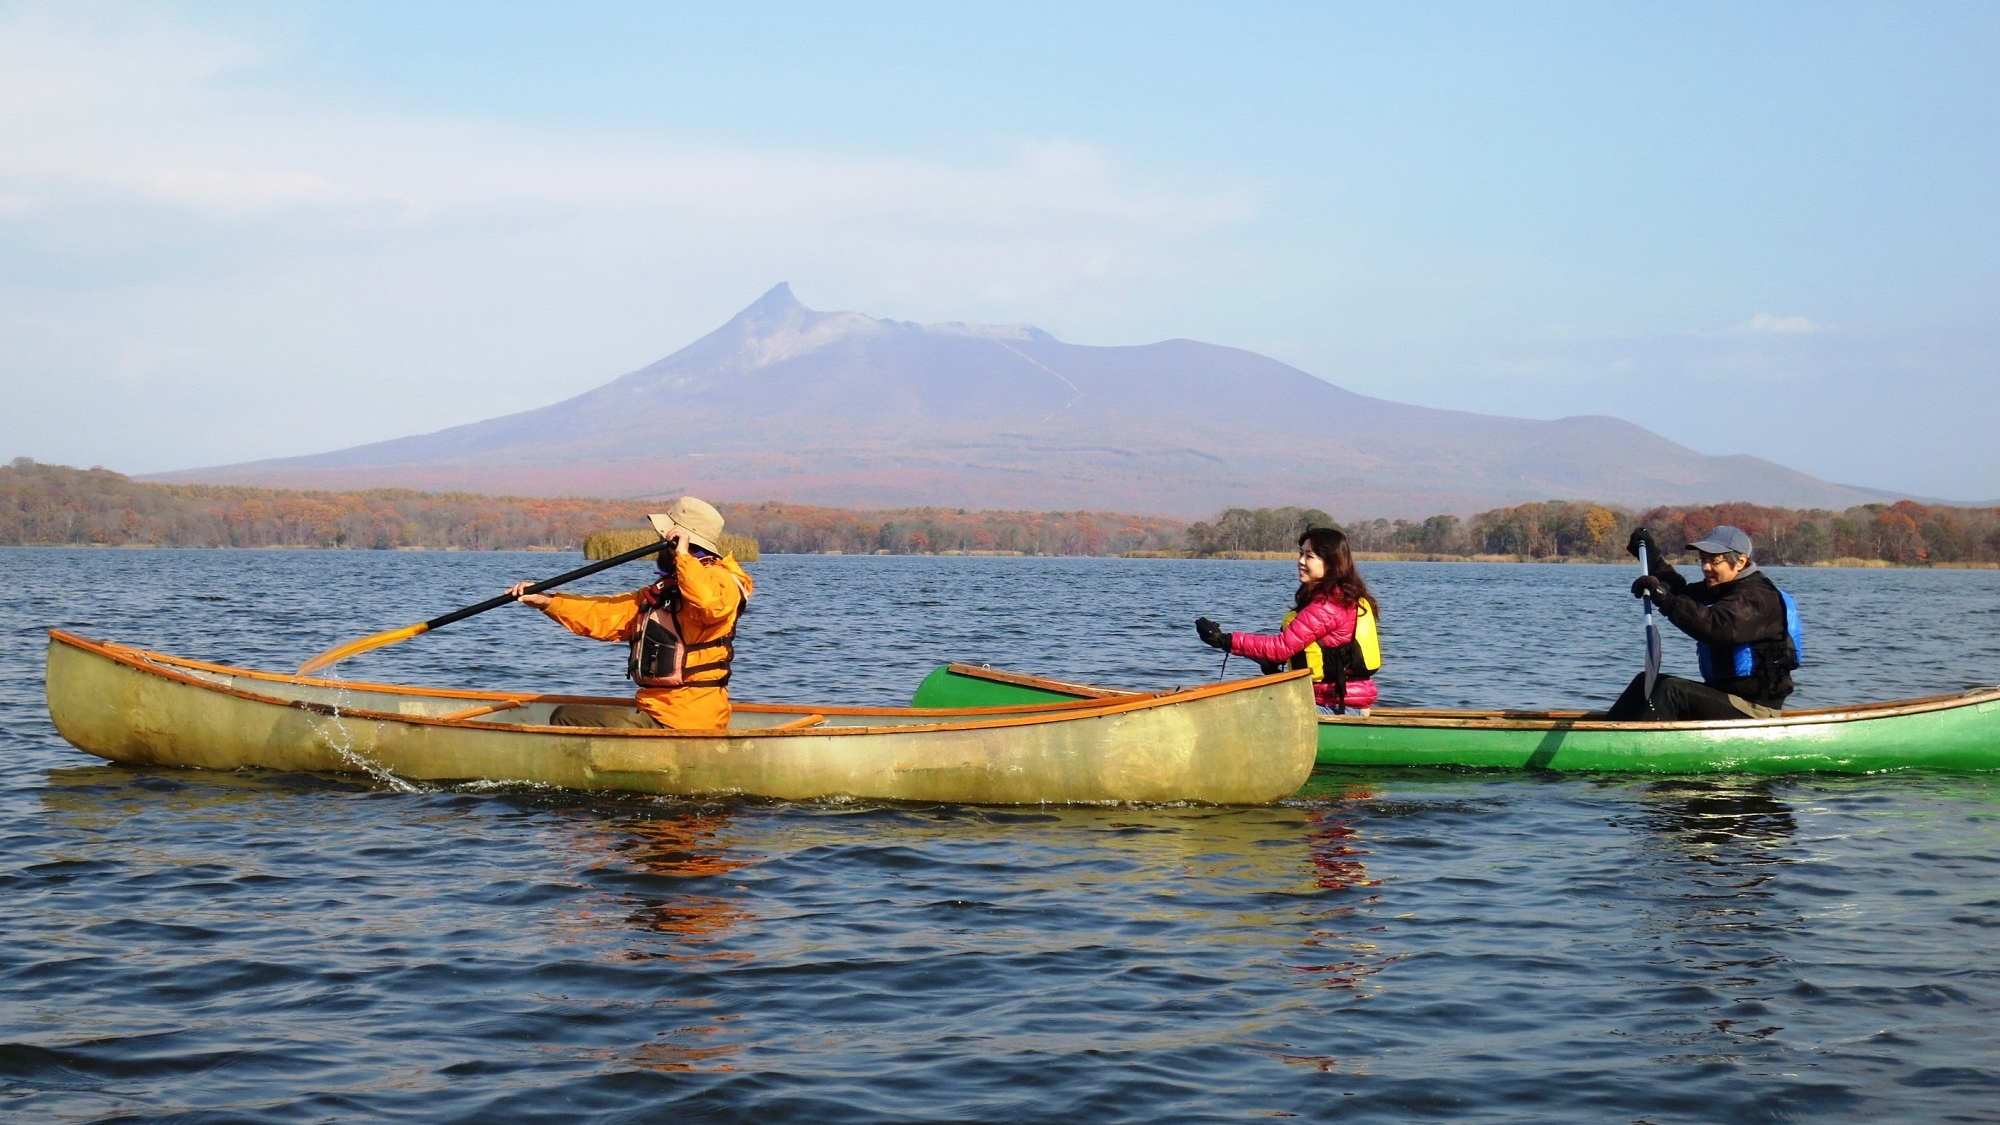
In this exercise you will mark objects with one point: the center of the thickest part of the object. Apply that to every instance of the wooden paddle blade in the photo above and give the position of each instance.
(355, 648)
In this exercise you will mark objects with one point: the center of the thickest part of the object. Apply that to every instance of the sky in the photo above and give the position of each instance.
(236, 231)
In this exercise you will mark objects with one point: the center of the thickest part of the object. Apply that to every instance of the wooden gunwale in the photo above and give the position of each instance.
(1573, 720)
(1427, 718)
(982, 718)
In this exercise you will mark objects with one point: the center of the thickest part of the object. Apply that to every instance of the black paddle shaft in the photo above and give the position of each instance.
(549, 584)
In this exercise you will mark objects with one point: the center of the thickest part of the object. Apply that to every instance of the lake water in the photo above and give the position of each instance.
(1386, 946)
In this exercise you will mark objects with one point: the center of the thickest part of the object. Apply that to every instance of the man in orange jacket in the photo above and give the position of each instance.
(682, 629)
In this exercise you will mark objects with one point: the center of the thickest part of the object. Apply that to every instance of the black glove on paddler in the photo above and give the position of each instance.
(1649, 586)
(1211, 634)
(1643, 535)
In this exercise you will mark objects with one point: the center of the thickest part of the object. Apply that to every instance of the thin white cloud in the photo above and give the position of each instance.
(199, 248)
(1781, 325)
(148, 113)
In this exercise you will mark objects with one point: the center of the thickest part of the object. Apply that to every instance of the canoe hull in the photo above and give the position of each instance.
(1955, 738)
(1245, 747)
(1960, 732)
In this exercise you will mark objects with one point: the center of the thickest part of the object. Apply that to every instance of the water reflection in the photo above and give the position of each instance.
(655, 863)
(1718, 851)
(1721, 821)
(660, 901)
(1089, 909)
(1333, 845)
(1340, 863)
(156, 816)
(702, 1045)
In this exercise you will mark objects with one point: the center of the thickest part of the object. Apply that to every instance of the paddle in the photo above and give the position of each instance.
(1652, 630)
(391, 636)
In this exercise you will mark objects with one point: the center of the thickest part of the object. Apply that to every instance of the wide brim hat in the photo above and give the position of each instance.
(693, 518)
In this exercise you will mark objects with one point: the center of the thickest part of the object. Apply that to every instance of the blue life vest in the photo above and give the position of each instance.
(1740, 662)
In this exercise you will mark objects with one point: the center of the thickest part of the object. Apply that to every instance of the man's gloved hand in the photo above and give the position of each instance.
(1643, 535)
(1211, 634)
(1649, 586)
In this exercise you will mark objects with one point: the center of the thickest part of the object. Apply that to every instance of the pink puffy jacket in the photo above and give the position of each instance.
(1325, 620)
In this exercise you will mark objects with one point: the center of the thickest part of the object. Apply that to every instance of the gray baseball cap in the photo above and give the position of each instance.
(1724, 539)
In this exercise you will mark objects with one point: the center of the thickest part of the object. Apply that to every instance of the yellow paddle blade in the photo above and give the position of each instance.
(355, 648)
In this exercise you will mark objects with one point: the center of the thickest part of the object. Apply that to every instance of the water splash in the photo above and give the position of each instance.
(344, 745)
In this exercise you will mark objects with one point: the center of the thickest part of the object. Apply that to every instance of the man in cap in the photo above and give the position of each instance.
(1745, 631)
(682, 628)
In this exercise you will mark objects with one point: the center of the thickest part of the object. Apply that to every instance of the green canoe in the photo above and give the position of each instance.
(1956, 732)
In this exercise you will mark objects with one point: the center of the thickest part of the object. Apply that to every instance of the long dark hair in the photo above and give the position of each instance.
(1342, 581)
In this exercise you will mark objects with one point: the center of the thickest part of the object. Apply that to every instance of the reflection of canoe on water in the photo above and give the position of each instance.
(1244, 742)
(1939, 732)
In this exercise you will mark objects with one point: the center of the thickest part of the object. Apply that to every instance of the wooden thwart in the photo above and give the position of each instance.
(475, 712)
(798, 724)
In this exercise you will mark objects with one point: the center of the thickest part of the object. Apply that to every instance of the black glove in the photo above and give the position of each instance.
(1649, 586)
(1211, 634)
(1643, 535)
(1268, 668)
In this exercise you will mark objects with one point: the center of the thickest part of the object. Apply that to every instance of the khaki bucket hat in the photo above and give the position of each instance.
(696, 519)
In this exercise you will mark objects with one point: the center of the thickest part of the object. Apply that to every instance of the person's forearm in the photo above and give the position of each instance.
(613, 618)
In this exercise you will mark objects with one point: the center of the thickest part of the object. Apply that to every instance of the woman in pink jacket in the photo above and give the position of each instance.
(1330, 600)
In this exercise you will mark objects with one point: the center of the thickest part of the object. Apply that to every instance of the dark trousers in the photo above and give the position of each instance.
(595, 715)
(1676, 700)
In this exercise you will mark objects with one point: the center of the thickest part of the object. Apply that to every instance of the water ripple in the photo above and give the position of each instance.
(1388, 946)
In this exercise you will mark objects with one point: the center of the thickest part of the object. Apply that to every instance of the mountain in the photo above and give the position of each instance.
(838, 408)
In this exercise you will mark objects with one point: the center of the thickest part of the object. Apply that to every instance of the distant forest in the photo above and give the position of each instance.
(799, 529)
(56, 505)
(1902, 534)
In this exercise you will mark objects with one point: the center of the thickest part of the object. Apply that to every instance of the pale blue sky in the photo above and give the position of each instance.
(235, 231)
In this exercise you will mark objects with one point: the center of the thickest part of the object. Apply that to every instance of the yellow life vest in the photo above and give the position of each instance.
(1362, 656)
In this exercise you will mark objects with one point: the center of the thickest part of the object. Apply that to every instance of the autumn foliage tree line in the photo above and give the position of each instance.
(1905, 533)
(57, 505)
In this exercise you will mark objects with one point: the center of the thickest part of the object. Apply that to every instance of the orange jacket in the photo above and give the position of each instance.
(711, 601)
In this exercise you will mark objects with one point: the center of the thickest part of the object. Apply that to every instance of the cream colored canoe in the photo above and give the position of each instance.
(1238, 742)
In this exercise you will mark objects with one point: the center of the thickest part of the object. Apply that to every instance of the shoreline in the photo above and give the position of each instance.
(1401, 556)
(1231, 556)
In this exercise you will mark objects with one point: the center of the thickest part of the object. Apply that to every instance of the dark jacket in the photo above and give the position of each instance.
(1748, 611)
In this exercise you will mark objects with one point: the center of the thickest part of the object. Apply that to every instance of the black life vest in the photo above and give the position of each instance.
(662, 658)
(1762, 660)
(1359, 659)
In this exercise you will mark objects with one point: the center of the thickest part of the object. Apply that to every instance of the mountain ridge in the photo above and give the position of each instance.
(785, 402)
